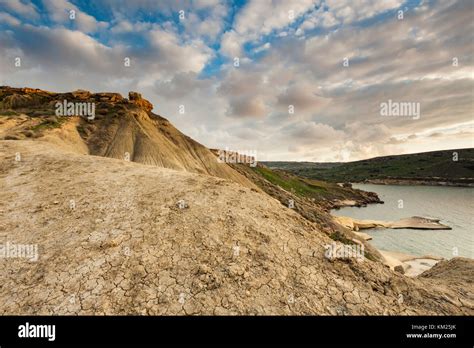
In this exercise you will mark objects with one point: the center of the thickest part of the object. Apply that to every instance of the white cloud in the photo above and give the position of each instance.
(247, 106)
(208, 26)
(60, 10)
(175, 56)
(23, 8)
(313, 133)
(231, 44)
(319, 18)
(354, 10)
(261, 17)
(8, 19)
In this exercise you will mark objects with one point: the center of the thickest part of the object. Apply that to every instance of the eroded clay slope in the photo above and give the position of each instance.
(122, 128)
(126, 247)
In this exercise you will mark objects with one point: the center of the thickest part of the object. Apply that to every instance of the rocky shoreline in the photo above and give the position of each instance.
(414, 222)
(409, 265)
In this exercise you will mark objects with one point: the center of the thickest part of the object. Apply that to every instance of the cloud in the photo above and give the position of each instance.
(231, 44)
(208, 22)
(181, 86)
(301, 96)
(259, 18)
(313, 133)
(8, 19)
(125, 26)
(25, 9)
(337, 108)
(60, 12)
(245, 106)
(204, 19)
(319, 18)
(245, 91)
(174, 56)
(348, 11)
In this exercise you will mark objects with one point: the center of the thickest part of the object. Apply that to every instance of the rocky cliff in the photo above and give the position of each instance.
(122, 128)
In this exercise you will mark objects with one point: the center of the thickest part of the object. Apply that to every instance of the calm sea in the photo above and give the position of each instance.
(454, 206)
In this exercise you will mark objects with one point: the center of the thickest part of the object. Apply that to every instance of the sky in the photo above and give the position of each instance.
(301, 80)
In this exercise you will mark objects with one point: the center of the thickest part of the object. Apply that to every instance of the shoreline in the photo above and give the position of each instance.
(414, 222)
(410, 265)
(407, 264)
(417, 182)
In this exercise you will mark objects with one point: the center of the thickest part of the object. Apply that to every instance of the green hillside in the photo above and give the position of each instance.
(436, 166)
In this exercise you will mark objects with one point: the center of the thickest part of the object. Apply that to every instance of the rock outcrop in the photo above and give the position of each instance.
(136, 98)
(414, 222)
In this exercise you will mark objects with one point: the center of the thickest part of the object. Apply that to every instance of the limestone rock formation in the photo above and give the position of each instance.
(136, 98)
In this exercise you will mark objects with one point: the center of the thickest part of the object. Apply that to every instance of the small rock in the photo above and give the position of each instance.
(399, 269)
(236, 270)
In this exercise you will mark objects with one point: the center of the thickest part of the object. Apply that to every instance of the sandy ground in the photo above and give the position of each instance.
(412, 265)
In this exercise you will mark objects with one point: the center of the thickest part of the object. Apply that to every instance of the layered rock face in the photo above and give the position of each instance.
(121, 128)
(24, 98)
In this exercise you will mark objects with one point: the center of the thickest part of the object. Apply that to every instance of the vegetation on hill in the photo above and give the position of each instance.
(308, 188)
(448, 165)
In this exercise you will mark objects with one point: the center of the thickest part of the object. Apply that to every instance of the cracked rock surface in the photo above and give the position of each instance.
(113, 239)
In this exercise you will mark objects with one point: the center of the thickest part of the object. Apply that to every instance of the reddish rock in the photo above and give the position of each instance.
(136, 98)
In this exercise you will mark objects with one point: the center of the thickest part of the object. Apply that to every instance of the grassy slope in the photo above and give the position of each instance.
(307, 188)
(437, 164)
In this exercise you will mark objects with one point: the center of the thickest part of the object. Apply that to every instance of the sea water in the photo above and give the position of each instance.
(454, 206)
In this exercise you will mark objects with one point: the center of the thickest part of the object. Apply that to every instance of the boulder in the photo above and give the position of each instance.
(110, 97)
(136, 98)
(81, 94)
(399, 269)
